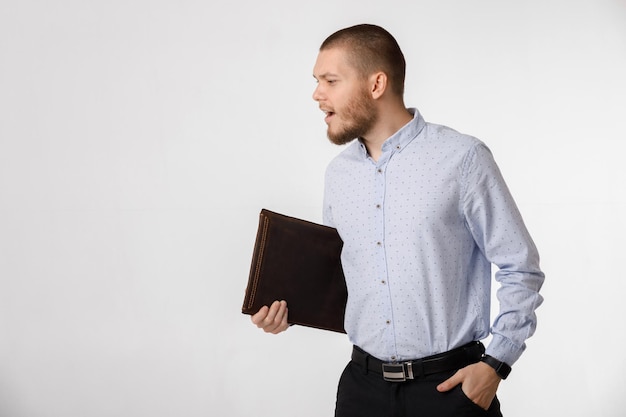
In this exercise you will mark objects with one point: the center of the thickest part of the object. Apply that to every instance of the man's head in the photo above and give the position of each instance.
(357, 68)
(371, 48)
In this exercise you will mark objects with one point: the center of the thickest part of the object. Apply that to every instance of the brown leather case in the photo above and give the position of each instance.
(298, 261)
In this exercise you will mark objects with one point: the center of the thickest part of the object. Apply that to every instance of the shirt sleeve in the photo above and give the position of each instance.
(499, 231)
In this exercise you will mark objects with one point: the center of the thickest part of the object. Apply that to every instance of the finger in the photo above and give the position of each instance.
(260, 315)
(285, 323)
(450, 383)
(276, 318)
(283, 314)
(271, 314)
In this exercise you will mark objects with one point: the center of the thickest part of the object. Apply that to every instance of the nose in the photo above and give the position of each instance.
(316, 93)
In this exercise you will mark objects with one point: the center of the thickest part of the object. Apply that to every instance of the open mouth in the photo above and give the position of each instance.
(329, 116)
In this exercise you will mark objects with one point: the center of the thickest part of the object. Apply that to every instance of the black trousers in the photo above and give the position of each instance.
(366, 394)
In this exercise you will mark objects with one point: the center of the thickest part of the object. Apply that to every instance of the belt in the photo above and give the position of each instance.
(401, 371)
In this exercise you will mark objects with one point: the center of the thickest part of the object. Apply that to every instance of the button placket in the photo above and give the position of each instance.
(378, 217)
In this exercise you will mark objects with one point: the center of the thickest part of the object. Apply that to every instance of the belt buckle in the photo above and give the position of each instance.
(397, 372)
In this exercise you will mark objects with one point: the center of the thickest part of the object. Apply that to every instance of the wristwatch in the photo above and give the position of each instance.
(502, 369)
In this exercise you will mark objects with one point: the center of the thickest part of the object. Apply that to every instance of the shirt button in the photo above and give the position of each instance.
(377, 206)
(388, 322)
(379, 243)
(393, 358)
(383, 282)
(380, 171)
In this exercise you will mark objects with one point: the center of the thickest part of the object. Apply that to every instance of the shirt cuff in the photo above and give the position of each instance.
(504, 350)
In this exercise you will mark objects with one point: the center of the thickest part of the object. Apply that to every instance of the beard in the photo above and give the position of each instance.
(359, 116)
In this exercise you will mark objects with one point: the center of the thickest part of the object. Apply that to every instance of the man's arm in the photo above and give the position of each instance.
(499, 231)
(272, 319)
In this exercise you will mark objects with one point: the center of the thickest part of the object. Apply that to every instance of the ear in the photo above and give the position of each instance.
(378, 83)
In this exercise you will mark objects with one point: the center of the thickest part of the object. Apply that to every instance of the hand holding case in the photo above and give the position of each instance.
(300, 262)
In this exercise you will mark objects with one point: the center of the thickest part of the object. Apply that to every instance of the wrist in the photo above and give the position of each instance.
(502, 369)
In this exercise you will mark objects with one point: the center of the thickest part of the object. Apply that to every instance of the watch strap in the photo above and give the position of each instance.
(502, 369)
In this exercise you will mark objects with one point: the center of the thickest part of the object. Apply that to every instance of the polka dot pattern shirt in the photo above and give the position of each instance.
(421, 228)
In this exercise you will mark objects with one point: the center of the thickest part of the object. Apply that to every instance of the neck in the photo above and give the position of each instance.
(390, 120)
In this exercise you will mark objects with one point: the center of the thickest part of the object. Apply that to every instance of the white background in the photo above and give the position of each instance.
(140, 139)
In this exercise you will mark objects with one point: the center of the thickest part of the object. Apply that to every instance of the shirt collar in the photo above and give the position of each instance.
(402, 137)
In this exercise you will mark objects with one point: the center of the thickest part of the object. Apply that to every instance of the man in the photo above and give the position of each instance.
(423, 212)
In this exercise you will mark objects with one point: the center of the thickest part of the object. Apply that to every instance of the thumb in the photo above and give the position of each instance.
(450, 383)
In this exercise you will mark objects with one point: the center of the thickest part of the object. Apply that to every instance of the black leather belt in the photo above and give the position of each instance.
(401, 371)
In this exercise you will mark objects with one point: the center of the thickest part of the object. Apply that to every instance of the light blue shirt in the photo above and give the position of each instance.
(421, 228)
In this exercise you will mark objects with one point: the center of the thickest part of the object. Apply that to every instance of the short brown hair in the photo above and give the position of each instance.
(371, 48)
